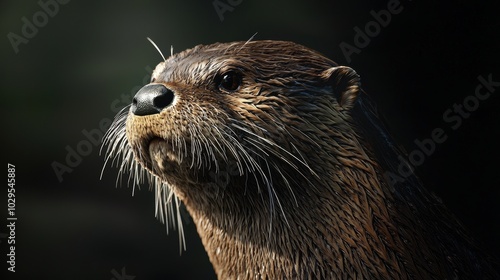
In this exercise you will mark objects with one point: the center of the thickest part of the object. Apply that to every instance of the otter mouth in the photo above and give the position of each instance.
(161, 159)
(160, 155)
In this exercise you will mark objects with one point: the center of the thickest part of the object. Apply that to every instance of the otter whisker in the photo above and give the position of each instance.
(114, 138)
(219, 150)
(287, 184)
(180, 229)
(263, 147)
(258, 145)
(272, 144)
(119, 150)
(268, 144)
(158, 49)
(241, 157)
(248, 41)
(268, 181)
(272, 195)
(166, 211)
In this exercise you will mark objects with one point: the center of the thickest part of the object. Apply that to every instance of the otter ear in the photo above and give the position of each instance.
(345, 83)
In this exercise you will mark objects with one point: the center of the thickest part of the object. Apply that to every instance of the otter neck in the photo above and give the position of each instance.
(332, 228)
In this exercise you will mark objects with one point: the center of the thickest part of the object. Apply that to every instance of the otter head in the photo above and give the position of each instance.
(235, 104)
(248, 135)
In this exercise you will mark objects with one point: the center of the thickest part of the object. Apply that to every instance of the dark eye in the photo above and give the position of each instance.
(230, 81)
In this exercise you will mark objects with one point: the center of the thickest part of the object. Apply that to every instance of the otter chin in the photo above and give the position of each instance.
(285, 167)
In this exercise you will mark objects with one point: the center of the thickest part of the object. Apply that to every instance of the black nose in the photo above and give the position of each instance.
(151, 99)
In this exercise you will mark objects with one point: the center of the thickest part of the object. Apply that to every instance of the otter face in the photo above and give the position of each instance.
(257, 111)
(203, 104)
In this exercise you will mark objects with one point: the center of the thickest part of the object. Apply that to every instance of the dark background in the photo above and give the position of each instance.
(64, 80)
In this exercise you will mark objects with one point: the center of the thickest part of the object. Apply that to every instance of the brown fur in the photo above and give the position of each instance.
(300, 157)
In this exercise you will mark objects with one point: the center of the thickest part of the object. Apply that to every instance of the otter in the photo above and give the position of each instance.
(281, 160)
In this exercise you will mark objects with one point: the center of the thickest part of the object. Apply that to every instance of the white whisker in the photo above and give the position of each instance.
(119, 152)
(248, 41)
(158, 49)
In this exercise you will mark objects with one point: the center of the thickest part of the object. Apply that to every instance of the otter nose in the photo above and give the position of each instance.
(151, 99)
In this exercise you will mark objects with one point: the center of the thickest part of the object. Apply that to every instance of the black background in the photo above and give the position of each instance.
(64, 80)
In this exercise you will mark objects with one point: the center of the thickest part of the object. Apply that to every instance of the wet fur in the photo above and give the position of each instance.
(303, 156)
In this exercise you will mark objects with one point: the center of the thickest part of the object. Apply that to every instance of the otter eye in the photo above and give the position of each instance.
(230, 81)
